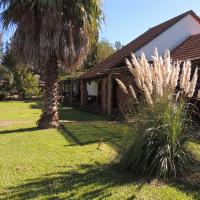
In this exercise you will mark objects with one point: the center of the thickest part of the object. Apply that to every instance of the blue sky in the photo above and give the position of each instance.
(126, 19)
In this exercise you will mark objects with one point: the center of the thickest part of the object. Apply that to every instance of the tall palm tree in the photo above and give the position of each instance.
(50, 34)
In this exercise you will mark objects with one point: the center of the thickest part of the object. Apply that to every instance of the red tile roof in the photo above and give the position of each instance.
(189, 49)
(118, 57)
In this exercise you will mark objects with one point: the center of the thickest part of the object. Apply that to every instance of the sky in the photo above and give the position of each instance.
(127, 19)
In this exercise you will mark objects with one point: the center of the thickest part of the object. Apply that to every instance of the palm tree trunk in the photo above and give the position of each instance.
(49, 117)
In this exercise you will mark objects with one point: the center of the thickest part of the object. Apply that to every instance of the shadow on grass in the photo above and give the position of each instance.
(190, 183)
(69, 135)
(89, 133)
(86, 182)
(189, 188)
(82, 182)
(36, 105)
(20, 130)
(72, 114)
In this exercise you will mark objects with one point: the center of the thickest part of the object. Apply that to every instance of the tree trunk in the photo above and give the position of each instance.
(49, 117)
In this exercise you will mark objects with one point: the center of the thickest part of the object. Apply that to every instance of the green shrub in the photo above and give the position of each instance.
(158, 145)
(161, 117)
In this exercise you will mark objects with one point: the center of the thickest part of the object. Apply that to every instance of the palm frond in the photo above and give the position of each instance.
(61, 28)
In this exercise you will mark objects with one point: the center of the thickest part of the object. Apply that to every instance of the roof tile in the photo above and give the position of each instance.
(118, 57)
(189, 49)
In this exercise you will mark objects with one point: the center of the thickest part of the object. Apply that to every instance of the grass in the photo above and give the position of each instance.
(66, 164)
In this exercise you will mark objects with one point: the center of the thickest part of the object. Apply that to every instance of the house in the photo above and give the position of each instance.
(181, 35)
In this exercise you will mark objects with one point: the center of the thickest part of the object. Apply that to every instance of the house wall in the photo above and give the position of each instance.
(92, 88)
(171, 37)
(124, 102)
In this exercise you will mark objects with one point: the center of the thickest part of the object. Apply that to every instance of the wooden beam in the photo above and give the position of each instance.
(110, 94)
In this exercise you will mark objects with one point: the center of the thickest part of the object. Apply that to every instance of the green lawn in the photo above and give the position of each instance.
(66, 164)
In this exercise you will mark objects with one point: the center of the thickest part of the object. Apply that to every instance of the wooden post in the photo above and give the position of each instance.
(104, 95)
(110, 94)
(83, 93)
(71, 93)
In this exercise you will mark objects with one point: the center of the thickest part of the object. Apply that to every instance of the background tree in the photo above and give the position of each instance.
(118, 45)
(6, 75)
(104, 49)
(6, 79)
(27, 84)
(1, 46)
(50, 34)
(9, 59)
(24, 81)
(99, 51)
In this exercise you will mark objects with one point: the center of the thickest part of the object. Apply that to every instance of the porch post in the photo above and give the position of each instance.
(83, 93)
(104, 95)
(71, 92)
(110, 94)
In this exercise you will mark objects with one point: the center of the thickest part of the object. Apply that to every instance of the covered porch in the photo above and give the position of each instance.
(98, 94)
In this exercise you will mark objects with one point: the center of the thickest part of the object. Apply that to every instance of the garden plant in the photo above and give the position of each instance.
(161, 116)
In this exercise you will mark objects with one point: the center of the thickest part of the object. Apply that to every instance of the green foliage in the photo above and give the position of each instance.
(1, 45)
(6, 75)
(30, 86)
(26, 83)
(104, 49)
(99, 51)
(9, 59)
(118, 45)
(23, 79)
(6, 81)
(9, 64)
(158, 146)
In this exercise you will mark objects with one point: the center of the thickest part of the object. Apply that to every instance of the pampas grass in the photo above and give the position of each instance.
(122, 86)
(161, 121)
(132, 92)
(162, 77)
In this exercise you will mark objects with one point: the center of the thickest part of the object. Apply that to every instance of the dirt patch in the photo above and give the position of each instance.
(6, 123)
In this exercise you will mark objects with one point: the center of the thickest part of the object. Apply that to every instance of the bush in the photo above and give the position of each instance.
(161, 120)
(158, 145)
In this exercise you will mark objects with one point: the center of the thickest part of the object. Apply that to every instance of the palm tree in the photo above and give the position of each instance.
(50, 34)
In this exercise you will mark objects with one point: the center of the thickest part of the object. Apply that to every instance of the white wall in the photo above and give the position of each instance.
(171, 37)
(92, 88)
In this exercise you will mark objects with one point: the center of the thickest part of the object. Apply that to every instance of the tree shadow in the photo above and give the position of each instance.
(20, 130)
(84, 134)
(82, 182)
(190, 182)
(72, 114)
(36, 105)
(72, 137)
(87, 182)
(189, 188)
